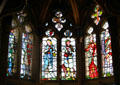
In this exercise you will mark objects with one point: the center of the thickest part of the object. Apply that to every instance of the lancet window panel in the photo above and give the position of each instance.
(91, 57)
(68, 59)
(26, 56)
(107, 63)
(49, 58)
(12, 52)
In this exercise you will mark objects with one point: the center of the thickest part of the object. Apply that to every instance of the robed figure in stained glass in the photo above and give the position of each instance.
(49, 54)
(106, 52)
(68, 51)
(108, 56)
(68, 65)
(92, 67)
(26, 57)
(91, 57)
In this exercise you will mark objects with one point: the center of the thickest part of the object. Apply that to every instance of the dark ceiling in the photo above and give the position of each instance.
(41, 11)
(42, 8)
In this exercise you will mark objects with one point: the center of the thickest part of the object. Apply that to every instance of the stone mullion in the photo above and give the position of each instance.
(59, 54)
(0, 46)
(36, 58)
(99, 56)
(83, 59)
(19, 50)
(0, 35)
(80, 58)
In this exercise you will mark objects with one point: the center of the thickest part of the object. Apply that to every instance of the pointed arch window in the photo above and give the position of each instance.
(13, 46)
(20, 45)
(91, 55)
(12, 52)
(49, 56)
(107, 64)
(50, 53)
(68, 57)
(26, 54)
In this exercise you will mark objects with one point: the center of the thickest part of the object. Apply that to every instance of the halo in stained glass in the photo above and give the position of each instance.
(67, 33)
(49, 33)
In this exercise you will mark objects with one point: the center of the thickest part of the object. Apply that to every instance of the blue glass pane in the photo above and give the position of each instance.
(49, 58)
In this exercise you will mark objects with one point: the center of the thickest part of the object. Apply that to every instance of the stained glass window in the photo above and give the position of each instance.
(68, 57)
(49, 57)
(97, 14)
(26, 56)
(91, 57)
(58, 20)
(12, 52)
(106, 52)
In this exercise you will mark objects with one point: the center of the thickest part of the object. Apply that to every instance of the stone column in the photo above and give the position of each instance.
(115, 47)
(36, 60)
(98, 45)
